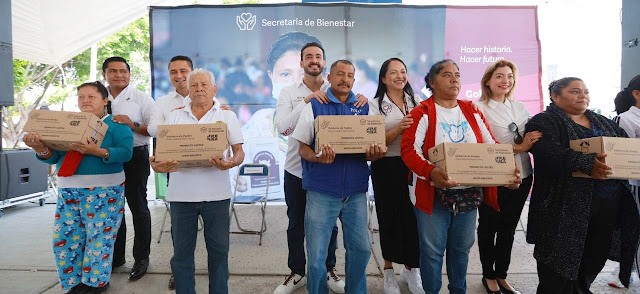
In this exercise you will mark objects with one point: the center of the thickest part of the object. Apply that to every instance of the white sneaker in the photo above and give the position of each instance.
(292, 283)
(334, 282)
(413, 279)
(390, 283)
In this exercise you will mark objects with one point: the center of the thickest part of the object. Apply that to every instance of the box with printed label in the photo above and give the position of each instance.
(192, 144)
(475, 165)
(349, 133)
(623, 155)
(58, 129)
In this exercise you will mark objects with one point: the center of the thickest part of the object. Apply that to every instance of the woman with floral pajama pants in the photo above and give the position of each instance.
(91, 195)
(85, 227)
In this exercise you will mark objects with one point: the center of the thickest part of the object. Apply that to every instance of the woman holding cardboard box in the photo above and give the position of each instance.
(572, 219)
(441, 226)
(507, 118)
(397, 222)
(91, 197)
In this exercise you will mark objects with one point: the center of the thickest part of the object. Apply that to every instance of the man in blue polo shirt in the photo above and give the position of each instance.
(336, 187)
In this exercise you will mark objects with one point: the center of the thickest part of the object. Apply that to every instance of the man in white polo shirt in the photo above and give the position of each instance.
(133, 108)
(292, 100)
(201, 191)
(179, 68)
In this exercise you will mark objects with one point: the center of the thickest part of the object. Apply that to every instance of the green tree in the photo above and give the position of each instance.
(37, 85)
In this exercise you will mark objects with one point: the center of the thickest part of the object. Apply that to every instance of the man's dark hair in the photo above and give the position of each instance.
(311, 44)
(105, 64)
(344, 61)
(182, 57)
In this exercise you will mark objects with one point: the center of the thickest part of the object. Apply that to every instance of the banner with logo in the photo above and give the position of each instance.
(254, 52)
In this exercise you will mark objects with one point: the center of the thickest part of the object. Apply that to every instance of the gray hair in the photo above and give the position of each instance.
(201, 71)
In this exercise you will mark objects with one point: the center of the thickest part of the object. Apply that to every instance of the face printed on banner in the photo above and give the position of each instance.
(396, 76)
(117, 74)
(573, 99)
(201, 90)
(446, 83)
(341, 78)
(178, 72)
(501, 81)
(286, 70)
(313, 61)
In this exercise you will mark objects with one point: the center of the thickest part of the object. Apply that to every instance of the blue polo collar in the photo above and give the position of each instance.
(352, 97)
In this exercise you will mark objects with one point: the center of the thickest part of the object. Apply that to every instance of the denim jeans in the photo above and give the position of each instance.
(296, 199)
(321, 213)
(184, 229)
(443, 232)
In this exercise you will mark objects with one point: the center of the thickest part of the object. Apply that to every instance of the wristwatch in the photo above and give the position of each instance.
(136, 126)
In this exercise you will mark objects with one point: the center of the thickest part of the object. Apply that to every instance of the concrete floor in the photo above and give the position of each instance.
(27, 265)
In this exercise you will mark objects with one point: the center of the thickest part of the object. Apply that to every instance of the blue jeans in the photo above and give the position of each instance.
(184, 229)
(296, 199)
(321, 213)
(442, 232)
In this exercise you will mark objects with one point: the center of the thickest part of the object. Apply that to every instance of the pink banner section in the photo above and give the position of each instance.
(476, 37)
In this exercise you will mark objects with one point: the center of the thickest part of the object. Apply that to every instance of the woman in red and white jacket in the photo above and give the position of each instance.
(444, 118)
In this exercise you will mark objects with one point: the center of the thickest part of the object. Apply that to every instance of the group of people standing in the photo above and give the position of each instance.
(576, 224)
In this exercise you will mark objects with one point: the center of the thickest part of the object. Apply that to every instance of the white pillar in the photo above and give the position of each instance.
(94, 60)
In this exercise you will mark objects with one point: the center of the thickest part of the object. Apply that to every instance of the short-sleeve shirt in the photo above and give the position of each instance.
(392, 117)
(499, 116)
(198, 184)
(138, 106)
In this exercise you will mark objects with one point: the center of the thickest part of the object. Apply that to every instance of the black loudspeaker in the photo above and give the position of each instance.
(6, 55)
(630, 41)
(21, 173)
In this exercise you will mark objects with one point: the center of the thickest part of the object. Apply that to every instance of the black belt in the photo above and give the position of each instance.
(143, 147)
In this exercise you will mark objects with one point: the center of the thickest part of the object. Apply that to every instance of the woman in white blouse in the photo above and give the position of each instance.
(397, 222)
(507, 118)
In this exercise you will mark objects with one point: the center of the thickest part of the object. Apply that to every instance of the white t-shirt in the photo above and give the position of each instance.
(288, 110)
(452, 126)
(392, 117)
(499, 116)
(198, 184)
(630, 122)
(165, 105)
(138, 106)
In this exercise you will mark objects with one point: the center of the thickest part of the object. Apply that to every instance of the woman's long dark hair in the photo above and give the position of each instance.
(624, 100)
(101, 89)
(382, 87)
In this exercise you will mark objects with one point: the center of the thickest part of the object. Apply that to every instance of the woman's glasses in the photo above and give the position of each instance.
(514, 128)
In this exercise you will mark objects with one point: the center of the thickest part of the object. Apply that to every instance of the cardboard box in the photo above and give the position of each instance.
(349, 133)
(58, 129)
(623, 155)
(475, 165)
(193, 144)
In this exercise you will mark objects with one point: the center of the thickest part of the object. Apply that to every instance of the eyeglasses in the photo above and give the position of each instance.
(514, 128)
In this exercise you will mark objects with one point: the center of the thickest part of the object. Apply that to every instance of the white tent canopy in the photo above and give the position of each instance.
(52, 32)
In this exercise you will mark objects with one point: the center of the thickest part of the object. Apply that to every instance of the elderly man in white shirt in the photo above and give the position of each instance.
(133, 108)
(201, 191)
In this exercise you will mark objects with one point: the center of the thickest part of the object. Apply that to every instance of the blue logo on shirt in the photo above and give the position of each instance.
(455, 132)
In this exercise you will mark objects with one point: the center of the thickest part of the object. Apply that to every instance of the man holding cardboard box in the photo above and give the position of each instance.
(336, 185)
(133, 108)
(201, 191)
(292, 100)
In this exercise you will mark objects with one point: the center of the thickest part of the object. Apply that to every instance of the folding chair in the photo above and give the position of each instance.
(371, 204)
(161, 194)
(251, 170)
